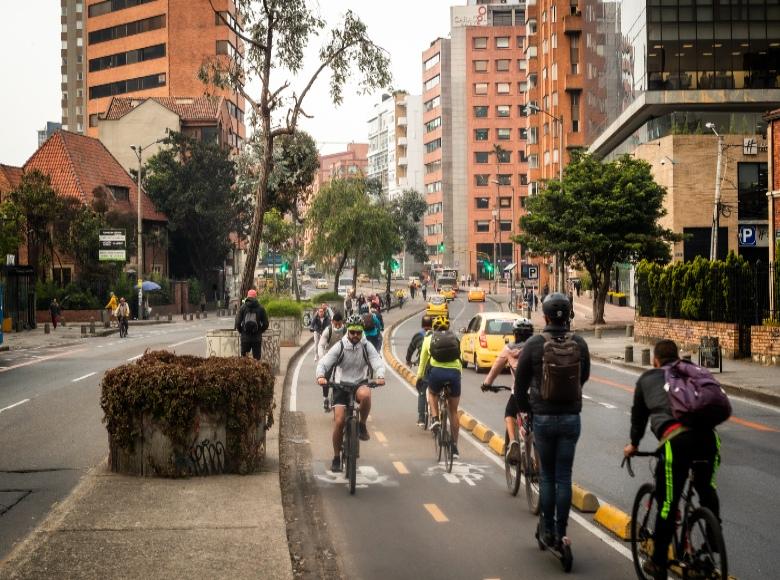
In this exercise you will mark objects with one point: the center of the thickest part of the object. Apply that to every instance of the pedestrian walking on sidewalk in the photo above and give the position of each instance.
(55, 310)
(251, 322)
(202, 302)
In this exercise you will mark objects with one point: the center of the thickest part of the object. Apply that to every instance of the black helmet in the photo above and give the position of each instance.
(522, 329)
(557, 307)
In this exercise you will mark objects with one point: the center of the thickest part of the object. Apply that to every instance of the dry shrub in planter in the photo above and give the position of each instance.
(174, 391)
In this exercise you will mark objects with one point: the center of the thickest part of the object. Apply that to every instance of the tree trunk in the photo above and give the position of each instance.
(354, 274)
(339, 268)
(600, 288)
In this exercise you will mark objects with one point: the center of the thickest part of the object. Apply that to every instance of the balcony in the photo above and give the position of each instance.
(574, 82)
(572, 23)
(403, 141)
(402, 121)
(575, 140)
(403, 161)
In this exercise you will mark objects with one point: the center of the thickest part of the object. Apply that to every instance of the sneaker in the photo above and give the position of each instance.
(455, 452)
(435, 425)
(326, 405)
(513, 453)
(335, 465)
(363, 432)
(420, 420)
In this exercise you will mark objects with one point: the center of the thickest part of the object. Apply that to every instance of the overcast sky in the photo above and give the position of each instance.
(30, 45)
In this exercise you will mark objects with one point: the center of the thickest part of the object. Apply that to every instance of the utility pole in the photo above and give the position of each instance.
(716, 208)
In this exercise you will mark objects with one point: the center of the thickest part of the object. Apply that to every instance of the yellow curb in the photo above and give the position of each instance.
(482, 433)
(616, 521)
(583, 500)
(467, 421)
(497, 445)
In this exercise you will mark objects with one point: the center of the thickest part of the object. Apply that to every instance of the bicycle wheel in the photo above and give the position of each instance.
(353, 452)
(642, 522)
(706, 554)
(512, 471)
(532, 472)
(444, 434)
(448, 451)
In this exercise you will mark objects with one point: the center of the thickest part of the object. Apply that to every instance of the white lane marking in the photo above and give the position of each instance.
(584, 522)
(39, 360)
(132, 358)
(15, 405)
(294, 389)
(84, 377)
(607, 405)
(185, 341)
(588, 397)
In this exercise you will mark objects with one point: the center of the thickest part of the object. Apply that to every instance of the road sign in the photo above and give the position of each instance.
(747, 236)
(112, 245)
(533, 272)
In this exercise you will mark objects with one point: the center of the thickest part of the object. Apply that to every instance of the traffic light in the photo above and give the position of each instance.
(394, 265)
(284, 267)
(488, 266)
(441, 247)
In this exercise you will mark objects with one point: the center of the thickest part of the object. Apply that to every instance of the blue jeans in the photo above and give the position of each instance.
(555, 437)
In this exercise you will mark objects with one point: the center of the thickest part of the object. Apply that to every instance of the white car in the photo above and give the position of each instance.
(345, 286)
(321, 284)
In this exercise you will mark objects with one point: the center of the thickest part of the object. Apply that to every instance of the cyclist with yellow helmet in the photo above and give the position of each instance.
(440, 365)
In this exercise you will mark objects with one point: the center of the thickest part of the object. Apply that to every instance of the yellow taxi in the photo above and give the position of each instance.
(363, 278)
(437, 306)
(448, 292)
(476, 294)
(485, 337)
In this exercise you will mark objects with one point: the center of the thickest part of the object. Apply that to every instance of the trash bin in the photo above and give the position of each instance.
(710, 354)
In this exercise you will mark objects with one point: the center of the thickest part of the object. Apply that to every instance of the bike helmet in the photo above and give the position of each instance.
(441, 323)
(354, 322)
(427, 321)
(557, 307)
(522, 329)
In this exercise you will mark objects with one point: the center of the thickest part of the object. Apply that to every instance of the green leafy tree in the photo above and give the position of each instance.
(602, 214)
(192, 183)
(277, 34)
(406, 211)
(12, 226)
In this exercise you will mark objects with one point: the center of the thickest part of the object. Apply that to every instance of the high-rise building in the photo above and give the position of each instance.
(150, 48)
(50, 129)
(73, 66)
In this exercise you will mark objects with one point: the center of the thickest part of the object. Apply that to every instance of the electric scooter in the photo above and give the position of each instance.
(563, 553)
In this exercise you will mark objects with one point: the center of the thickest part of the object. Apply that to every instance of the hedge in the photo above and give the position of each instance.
(284, 307)
(327, 297)
(172, 389)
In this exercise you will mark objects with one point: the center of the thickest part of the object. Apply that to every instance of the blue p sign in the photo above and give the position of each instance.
(747, 235)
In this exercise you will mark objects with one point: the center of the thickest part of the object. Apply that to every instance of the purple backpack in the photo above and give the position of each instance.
(696, 398)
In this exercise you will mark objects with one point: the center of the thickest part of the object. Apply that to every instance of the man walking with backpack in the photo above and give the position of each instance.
(251, 322)
(550, 373)
(686, 435)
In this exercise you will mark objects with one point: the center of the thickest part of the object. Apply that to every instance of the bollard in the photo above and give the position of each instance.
(157, 318)
(190, 316)
(629, 356)
(170, 317)
(92, 327)
(629, 330)
(107, 324)
(184, 317)
(83, 330)
(197, 315)
(62, 322)
(205, 315)
(598, 332)
(646, 357)
(46, 329)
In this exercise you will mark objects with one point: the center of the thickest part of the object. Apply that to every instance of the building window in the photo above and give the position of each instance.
(504, 179)
(432, 146)
(128, 29)
(523, 179)
(502, 65)
(209, 134)
(482, 226)
(481, 179)
(221, 17)
(502, 42)
(480, 66)
(433, 124)
(127, 86)
(480, 112)
(502, 110)
(225, 47)
(506, 225)
(432, 82)
(752, 185)
(503, 134)
(531, 27)
(523, 133)
(433, 61)
(480, 88)
(433, 167)
(119, 192)
(93, 120)
(433, 187)
(481, 156)
(575, 112)
(62, 276)
(432, 104)
(522, 64)
(235, 112)
(481, 134)
(112, 6)
(480, 42)
(502, 18)
(502, 88)
(482, 202)
(124, 58)
(533, 162)
(503, 156)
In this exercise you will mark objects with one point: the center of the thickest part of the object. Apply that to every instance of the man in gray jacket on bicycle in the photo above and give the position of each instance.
(350, 360)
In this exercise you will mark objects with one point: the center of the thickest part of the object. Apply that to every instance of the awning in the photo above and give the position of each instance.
(510, 267)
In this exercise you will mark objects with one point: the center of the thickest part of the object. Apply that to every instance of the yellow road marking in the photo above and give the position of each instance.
(400, 467)
(380, 437)
(436, 513)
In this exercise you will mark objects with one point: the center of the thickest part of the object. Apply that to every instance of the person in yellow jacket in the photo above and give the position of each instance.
(112, 304)
(438, 372)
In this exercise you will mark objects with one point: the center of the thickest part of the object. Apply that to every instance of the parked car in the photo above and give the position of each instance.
(476, 294)
(321, 284)
(485, 337)
(345, 286)
(437, 306)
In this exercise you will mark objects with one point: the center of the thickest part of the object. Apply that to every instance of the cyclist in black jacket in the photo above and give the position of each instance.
(681, 448)
(413, 357)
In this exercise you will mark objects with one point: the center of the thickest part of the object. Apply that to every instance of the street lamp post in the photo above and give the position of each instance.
(716, 208)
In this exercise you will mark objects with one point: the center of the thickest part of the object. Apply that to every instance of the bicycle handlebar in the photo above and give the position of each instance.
(344, 386)
(495, 388)
(627, 460)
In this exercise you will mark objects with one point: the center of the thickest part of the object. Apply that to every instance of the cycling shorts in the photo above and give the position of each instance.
(437, 376)
(341, 398)
(512, 408)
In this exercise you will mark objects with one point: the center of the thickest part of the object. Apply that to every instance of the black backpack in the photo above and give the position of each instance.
(249, 323)
(368, 322)
(561, 369)
(445, 346)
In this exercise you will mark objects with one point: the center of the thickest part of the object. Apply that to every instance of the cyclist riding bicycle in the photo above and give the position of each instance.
(681, 447)
(352, 360)
(438, 371)
(122, 313)
(523, 330)
(330, 336)
(550, 373)
(413, 357)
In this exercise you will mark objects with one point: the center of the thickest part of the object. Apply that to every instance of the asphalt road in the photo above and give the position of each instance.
(747, 481)
(409, 518)
(50, 418)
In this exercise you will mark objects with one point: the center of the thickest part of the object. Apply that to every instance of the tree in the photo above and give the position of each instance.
(192, 183)
(278, 32)
(407, 210)
(602, 214)
(12, 222)
(40, 205)
(278, 235)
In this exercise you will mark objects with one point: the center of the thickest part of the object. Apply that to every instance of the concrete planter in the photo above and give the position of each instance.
(226, 343)
(289, 328)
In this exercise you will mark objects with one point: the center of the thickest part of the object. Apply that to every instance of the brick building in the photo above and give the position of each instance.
(773, 194)
(153, 48)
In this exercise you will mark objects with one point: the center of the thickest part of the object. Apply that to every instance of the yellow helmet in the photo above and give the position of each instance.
(441, 323)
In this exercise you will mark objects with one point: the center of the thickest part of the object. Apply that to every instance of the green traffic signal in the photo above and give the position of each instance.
(284, 267)
(441, 247)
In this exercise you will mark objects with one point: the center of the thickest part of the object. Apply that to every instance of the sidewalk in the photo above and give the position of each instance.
(117, 526)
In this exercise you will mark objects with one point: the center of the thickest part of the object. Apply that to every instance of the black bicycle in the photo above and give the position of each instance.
(350, 445)
(123, 324)
(697, 549)
(442, 437)
(528, 466)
